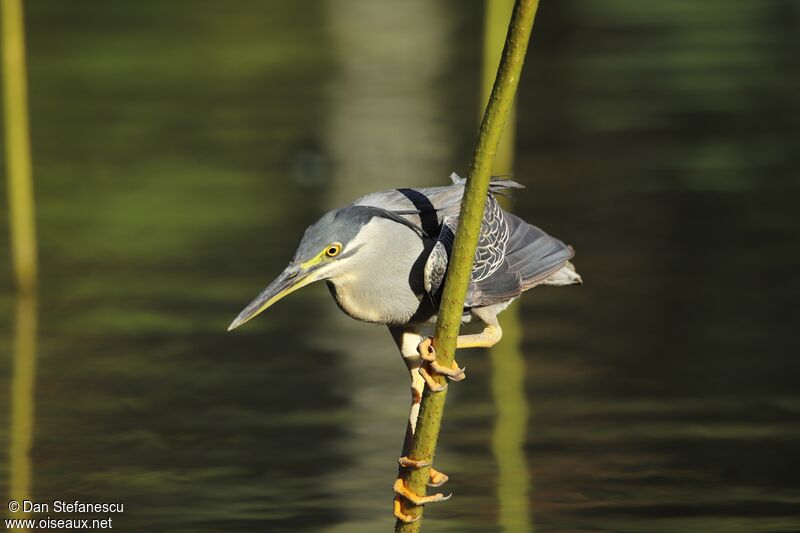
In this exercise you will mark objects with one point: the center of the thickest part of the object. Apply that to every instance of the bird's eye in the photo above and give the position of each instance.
(333, 250)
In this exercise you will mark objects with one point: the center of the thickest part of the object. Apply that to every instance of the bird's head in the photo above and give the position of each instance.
(329, 248)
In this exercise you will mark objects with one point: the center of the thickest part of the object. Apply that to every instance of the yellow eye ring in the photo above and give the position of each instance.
(333, 250)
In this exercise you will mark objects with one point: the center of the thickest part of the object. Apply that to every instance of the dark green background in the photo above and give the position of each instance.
(181, 148)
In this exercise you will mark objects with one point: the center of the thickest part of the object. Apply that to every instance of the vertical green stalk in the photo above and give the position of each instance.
(466, 241)
(22, 401)
(508, 363)
(18, 154)
(495, 22)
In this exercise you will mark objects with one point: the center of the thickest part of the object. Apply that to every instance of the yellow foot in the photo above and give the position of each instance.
(400, 489)
(435, 478)
(400, 515)
(430, 367)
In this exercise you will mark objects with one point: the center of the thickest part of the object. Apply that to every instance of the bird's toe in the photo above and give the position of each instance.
(426, 349)
(400, 489)
(400, 515)
(435, 477)
(454, 373)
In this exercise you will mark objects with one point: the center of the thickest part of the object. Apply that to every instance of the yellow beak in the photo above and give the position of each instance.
(292, 278)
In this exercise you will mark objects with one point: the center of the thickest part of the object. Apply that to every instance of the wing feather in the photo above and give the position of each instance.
(512, 255)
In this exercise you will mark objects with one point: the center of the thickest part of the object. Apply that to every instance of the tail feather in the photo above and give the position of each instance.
(565, 276)
(497, 184)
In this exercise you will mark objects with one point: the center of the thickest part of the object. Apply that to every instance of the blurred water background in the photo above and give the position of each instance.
(180, 150)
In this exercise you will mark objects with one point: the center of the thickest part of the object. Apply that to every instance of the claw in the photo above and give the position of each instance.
(454, 373)
(428, 354)
(401, 490)
(400, 515)
(437, 479)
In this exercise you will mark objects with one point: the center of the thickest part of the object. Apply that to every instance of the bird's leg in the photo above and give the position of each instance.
(436, 478)
(430, 367)
(487, 338)
(407, 341)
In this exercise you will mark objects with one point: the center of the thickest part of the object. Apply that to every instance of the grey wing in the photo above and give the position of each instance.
(492, 242)
(440, 201)
(531, 257)
(511, 256)
(425, 207)
(489, 255)
(428, 206)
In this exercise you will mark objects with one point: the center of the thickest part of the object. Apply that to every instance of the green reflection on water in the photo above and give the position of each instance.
(509, 435)
(181, 153)
(508, 363)
(22, 402)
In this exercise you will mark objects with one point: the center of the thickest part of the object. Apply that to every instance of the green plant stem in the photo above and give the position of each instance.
(18, 153)
(466, 241)
(496, 16)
